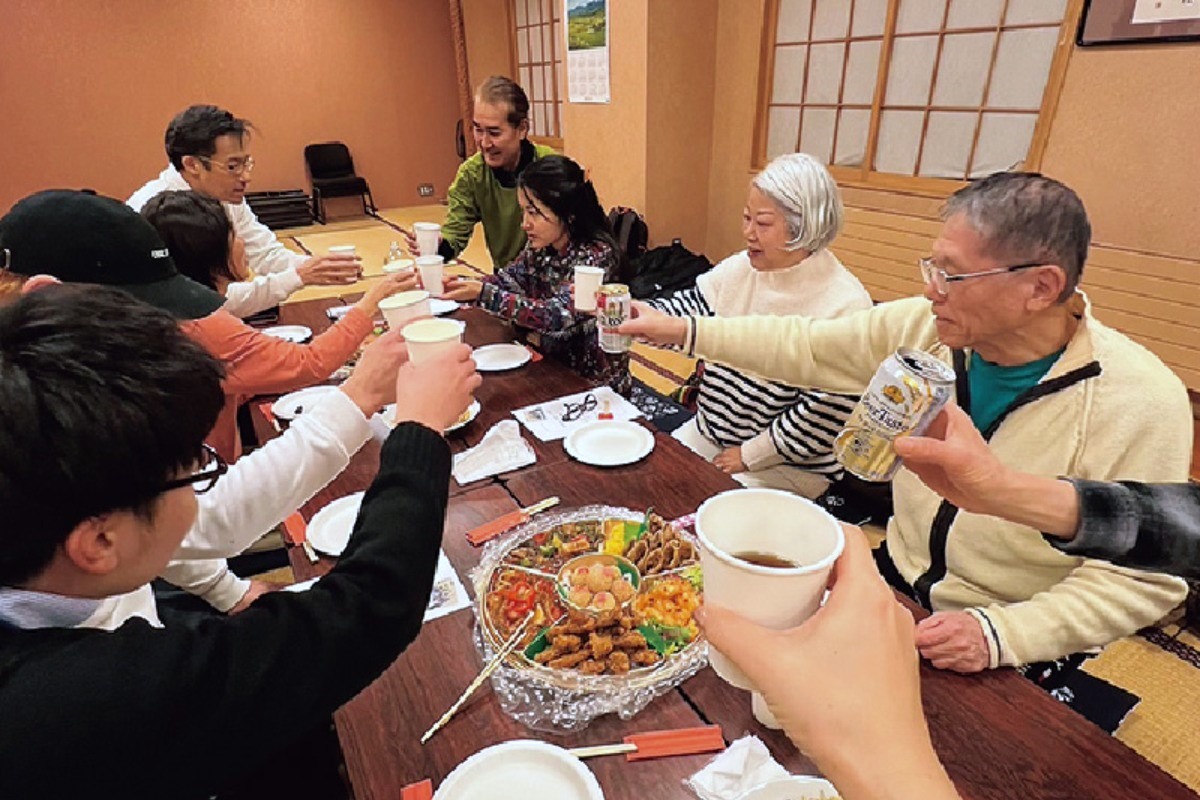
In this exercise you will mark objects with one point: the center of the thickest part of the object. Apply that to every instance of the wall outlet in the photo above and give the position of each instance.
(425, 190)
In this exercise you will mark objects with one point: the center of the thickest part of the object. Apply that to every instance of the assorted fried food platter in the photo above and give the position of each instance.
(610, 596)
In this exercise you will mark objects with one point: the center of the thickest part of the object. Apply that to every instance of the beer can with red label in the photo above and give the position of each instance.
(613, 303)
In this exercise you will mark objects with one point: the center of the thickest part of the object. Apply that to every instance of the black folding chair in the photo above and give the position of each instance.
(332, 173)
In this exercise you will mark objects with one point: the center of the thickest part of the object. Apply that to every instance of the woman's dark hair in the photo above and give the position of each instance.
(105, 399)
(559, 184)
(196, 231)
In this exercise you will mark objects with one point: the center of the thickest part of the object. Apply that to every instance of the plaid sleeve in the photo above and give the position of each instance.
(1145, 526)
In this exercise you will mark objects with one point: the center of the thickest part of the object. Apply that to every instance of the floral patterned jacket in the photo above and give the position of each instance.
(534, 292)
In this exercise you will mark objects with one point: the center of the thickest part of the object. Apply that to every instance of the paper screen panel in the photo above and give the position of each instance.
(789, 74)
(947, 144)
(783, 128)
(862, 72)
(974, 14)
(1022, 68)
(794, 19)
(853, 127)
(1035, 12)
(816, 133)
(963, 69)
(911, 71)
(825, 63)
(870, 16)
(1003, 142)
(899, 139)
(920, 16)
(831, 20)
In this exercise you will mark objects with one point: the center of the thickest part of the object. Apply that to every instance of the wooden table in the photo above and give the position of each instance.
(999, 736)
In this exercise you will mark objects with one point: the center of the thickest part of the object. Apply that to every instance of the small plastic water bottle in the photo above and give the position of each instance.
(394, 253)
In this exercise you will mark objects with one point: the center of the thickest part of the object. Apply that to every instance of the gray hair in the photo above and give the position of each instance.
(808, 197)
(1027, 217)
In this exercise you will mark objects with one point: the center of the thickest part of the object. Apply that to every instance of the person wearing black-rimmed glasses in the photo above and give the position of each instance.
(208, 150)
(1055, 391)
(105, 408)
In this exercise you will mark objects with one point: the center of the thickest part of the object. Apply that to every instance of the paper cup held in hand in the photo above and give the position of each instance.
(765, 525)
(427, 337)
(587, 281)
(405, 307)
(432, 269)
(428, 235)
(398, 266)
(343, 250)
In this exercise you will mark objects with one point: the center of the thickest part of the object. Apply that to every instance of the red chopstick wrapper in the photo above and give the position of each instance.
(682, 742)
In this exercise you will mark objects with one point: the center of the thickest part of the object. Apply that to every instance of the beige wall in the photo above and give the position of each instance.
(488, 29)
(610, 138)
(1125, 138)
(682, 36)
(87, 88)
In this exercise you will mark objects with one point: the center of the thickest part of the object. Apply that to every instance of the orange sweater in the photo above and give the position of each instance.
(259, 364)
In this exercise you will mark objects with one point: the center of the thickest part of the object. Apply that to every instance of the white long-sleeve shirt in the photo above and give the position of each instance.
(259, 492)
(264, 251)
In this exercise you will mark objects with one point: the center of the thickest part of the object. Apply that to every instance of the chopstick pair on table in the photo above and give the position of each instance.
(491, 530)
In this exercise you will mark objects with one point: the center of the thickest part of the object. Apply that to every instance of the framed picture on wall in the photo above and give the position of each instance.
(1107, 22)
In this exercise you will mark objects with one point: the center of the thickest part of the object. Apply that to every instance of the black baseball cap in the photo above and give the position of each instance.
(81, 237)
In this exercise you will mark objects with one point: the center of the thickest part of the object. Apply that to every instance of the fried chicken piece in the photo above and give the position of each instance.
(607, 618)
(631, 641)
(570, 660)
(579, 623)
(618, 662)
(592, 667)
(637, 550)
(567, 643)
(600, 644)
(644, 658)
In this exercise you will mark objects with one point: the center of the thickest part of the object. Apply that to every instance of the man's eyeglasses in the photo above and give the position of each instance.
(940, 280)
(235, 166)
(211, 467)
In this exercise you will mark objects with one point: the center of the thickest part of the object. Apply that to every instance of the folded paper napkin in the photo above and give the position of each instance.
(745, 764)
(502, 449)
(546, 420)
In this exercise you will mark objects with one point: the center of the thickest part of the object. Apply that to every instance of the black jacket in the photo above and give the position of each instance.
(181, 711)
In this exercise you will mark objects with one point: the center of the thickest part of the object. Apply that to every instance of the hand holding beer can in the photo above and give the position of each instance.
(613, 305)
(908, 390)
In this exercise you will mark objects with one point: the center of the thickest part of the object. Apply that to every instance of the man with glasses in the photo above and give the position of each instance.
(106, 404)
(76, 237)
(206, 146)
(1055, 391)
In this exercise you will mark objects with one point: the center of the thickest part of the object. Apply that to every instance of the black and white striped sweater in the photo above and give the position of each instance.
(772, 422)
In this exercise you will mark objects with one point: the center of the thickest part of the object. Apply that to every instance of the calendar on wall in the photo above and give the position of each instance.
(587, 34)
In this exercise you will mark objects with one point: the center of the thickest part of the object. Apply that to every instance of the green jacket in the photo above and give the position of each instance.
(477, 195)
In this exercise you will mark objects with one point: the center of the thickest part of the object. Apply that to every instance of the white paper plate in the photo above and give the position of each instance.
(609, 443)
(793, 787)
(498, 357)
(330, 528)
(523, 768)
(293, 405)
(297, 334)
(389, 416)
(439, 306)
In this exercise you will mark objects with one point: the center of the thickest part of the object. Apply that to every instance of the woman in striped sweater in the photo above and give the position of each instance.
(762, 432)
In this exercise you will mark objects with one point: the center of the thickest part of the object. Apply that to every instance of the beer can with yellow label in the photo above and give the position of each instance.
(908, 390)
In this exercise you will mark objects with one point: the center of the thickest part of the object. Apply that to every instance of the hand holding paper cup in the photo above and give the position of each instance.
(405, 307)
(432, 269)
(343, 250)
(429, 235)
(427, 337)
(767, 556)
(587, 281)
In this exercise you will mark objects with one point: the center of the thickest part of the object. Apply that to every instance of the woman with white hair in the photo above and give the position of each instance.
(762, 432)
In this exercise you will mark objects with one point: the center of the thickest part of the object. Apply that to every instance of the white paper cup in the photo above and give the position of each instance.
(773, 522)
(587, 281)
(343, 250)
(432, 269)
(398, 266)
(404, 307)
(428, 234)
(427, 337)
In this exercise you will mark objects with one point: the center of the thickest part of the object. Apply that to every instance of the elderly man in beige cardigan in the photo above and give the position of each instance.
(1055, 391)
